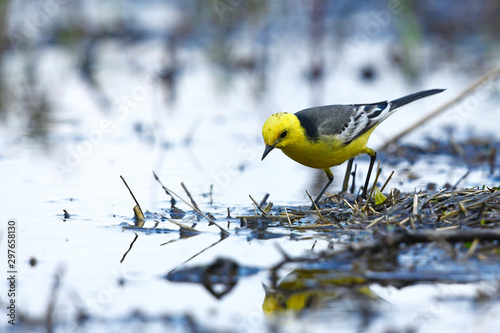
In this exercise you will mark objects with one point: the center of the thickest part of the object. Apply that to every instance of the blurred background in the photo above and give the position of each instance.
(183, 87)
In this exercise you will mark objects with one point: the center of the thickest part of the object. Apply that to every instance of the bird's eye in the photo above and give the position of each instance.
(282, 135)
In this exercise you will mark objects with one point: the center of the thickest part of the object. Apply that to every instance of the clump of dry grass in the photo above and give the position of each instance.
(441, 210)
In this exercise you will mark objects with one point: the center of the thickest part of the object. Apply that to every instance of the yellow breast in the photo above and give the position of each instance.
(326, 152)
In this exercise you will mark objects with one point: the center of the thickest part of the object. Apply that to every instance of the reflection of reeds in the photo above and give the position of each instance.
(410, 37)
(192, 205)
(3, 47)
(35, 100)
(478, 84)
(49, 320)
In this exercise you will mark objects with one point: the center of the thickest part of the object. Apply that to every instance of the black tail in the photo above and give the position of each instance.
(397, 103)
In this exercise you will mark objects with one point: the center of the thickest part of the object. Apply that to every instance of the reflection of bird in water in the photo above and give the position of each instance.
(313, 289)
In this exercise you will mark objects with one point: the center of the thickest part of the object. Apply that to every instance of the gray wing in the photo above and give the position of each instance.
(346, 122)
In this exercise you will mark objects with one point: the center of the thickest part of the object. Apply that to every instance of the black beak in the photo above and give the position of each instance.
(267, 151)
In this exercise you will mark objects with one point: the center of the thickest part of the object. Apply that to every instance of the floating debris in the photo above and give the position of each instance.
(219, 277)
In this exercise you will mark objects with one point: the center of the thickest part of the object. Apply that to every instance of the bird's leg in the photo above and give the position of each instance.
(329, 174)
(373, 156)
(345, 186)
(353, 184)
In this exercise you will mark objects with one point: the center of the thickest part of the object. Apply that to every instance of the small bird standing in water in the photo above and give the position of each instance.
(325, 136)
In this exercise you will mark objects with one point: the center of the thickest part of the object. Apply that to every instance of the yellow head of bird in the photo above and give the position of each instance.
(277, 129)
